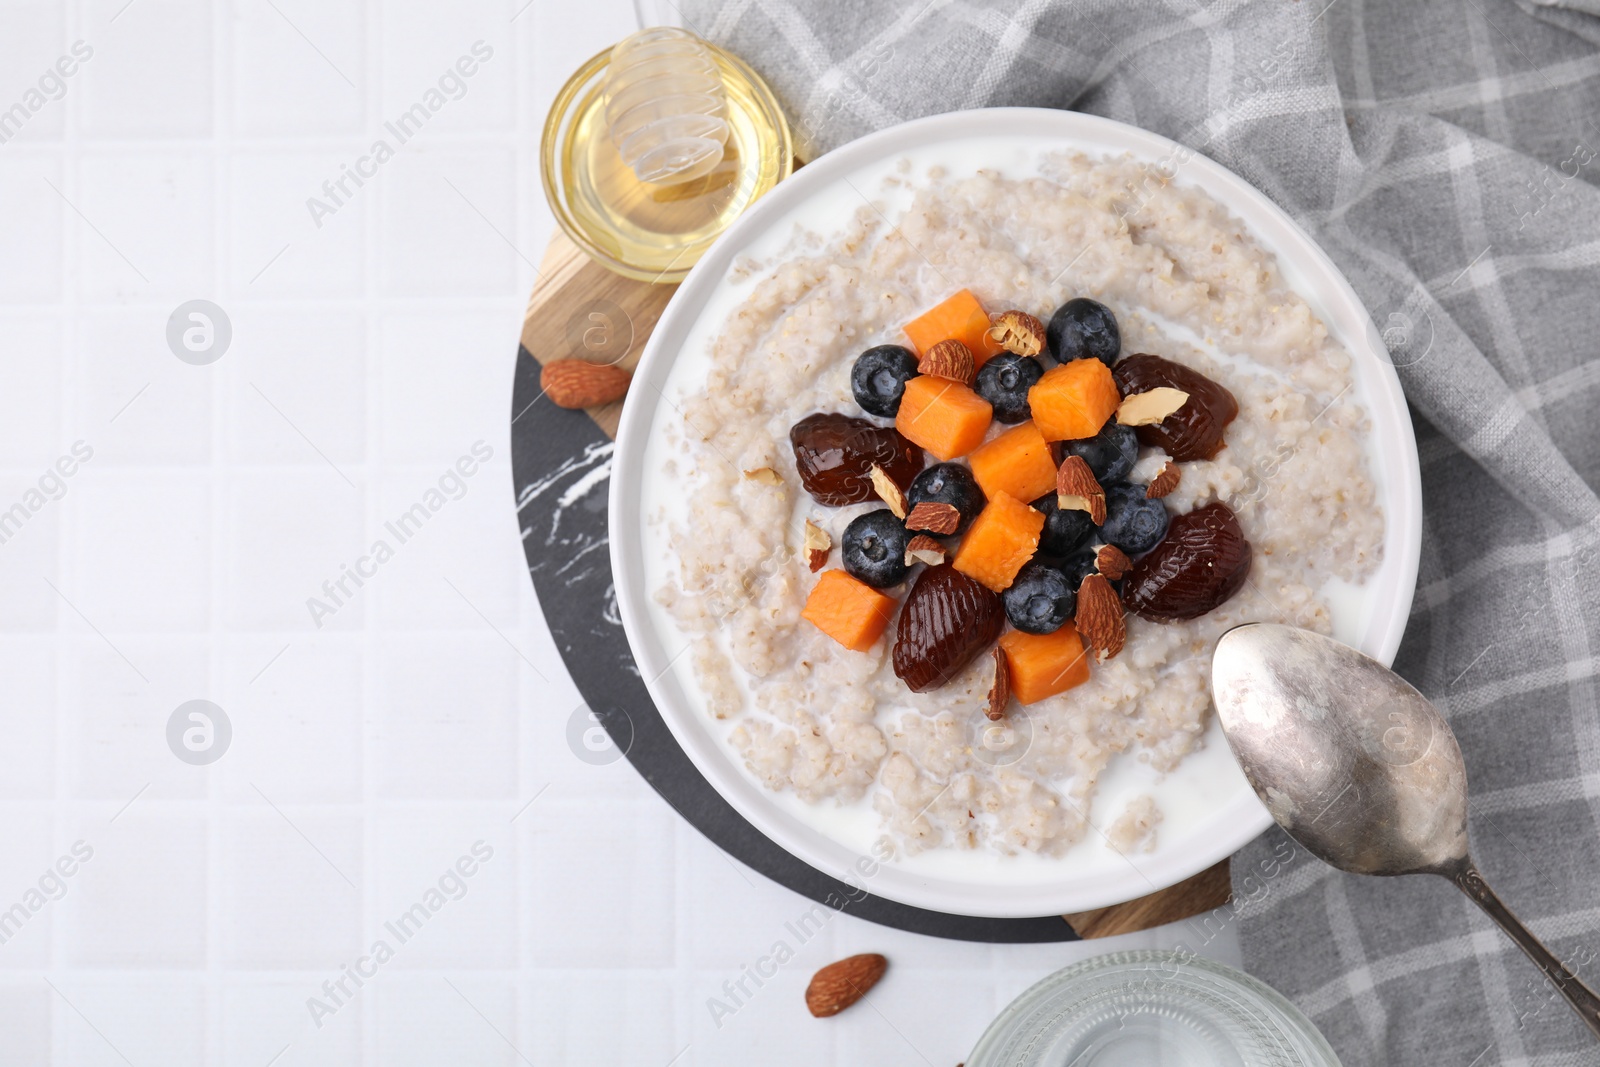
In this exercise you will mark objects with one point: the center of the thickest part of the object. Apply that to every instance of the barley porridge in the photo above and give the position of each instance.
(836, 725)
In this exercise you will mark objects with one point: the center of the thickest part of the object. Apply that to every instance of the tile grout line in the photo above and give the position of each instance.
(370, 77)
(220, 492)
(67, 328)
(225, 642)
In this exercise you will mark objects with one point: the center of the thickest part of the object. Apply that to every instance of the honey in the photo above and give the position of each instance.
(655, 146)
(665, 107)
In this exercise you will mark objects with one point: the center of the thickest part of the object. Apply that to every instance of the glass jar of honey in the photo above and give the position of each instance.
(655, 146)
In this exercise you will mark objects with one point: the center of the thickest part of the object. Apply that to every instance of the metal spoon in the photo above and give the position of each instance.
(1359, 768)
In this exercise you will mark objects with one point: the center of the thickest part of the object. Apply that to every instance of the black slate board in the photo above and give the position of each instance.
(568, 558)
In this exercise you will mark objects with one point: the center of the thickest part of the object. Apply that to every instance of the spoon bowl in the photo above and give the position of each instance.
(1348, 757)
(1359, 768)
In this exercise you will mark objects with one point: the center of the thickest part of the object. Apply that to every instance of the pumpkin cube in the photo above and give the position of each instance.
(1018, 463)
(1003, 537)
(1074, 400)
(1043, 665)
(960, 317)
(944, 417)
(847, 610)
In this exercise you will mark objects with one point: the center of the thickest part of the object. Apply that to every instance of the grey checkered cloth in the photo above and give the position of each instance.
(1444, 153)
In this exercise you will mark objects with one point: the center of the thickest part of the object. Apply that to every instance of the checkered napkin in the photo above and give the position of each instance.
(1445, 154)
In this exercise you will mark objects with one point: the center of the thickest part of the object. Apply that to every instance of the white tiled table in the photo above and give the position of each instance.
(368, 754)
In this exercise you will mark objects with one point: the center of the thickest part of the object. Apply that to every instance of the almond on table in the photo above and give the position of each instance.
(924, 549)
(1151, 406)
(573, 383)
(1111, 561)
(1100, 619)
(888, 490)
(839, 985)
(817, 543)
(935, 517)
(1165, 481)
(1000, 689)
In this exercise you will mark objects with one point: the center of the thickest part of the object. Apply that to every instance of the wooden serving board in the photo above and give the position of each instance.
(579, 309)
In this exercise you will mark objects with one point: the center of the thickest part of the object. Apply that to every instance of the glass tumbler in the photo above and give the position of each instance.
(1151, 1009)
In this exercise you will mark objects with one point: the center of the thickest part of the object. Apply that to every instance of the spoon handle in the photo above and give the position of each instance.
(1584, 1001)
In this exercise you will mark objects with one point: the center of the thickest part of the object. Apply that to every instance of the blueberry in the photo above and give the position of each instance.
(1134, 523)
(879, 378)
(1079, 566)
(1063, 530)
(1004, 382)
(949, 483)
(1082, 329)
(874, 549)
(1040, 599)
(1110, 454)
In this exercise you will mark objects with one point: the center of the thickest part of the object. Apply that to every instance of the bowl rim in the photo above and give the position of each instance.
(1233, 824)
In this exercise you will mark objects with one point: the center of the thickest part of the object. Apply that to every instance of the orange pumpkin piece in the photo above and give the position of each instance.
(849, 611)
(1003, 537)
(1074, 400)
(1043, 665)
(1018, 463)
(960, 317)
(944, 417)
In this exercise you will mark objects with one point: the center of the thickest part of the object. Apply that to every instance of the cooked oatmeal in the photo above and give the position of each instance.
(836, 726)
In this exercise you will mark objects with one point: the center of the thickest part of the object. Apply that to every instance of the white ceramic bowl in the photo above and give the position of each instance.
(1210, 808)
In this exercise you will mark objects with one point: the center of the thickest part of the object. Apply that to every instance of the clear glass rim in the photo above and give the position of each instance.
(1279, 1008)
(553, 135)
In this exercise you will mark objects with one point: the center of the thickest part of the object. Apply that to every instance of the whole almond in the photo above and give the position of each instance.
(949, 359)
(841, 984)
(572, 383)
(1099, 619)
